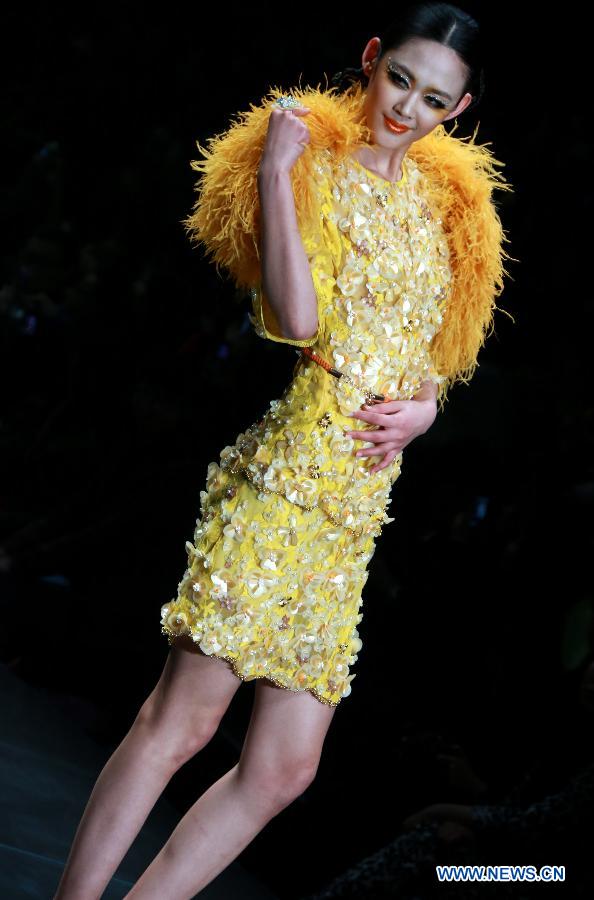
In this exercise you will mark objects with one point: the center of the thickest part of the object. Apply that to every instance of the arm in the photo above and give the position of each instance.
(286, 275)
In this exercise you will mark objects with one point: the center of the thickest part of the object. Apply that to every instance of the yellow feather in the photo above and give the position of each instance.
(460, 177)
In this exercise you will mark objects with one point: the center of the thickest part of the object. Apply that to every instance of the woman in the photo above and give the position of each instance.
(350, 218)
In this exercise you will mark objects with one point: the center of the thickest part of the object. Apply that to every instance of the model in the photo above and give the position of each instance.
(368, 239)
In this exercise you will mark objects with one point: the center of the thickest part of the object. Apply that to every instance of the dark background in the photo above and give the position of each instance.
(128, 364)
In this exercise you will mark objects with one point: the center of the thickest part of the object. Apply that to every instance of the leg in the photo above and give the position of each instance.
(278, 761)
(177, 719)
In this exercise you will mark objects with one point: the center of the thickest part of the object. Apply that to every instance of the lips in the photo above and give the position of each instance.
(395, 126)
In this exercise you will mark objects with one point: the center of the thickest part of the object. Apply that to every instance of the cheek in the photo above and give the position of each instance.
(423, 128)
(435, 115)
(429, 118)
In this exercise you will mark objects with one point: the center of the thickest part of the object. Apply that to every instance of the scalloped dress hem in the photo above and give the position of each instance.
(171, 639)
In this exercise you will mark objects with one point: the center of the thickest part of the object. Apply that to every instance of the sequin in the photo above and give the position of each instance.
(289, 517)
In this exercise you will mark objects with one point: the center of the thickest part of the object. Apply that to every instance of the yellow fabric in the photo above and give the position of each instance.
(460, 179)
(404, 276)
(267, 326)
(290, 515)
(272, 588)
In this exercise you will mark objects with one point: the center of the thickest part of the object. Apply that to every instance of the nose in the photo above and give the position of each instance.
(404, 110)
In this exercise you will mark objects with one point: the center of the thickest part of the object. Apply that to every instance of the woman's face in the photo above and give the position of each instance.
(419, 84)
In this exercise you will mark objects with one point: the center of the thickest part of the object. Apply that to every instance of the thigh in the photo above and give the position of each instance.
(193, 691)
(287, 730)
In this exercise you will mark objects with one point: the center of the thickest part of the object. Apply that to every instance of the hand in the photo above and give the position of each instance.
(399, 421)
(286, 138)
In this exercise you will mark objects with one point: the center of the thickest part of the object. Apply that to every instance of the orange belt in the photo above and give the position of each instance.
(370, 397)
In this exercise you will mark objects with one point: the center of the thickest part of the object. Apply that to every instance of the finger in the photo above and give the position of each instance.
(388, 459)
(362, 413)
(371, 416)
(371, 451)
(381, 447)
(373, 436)
(386, 406)
(391, 436)
(299, 110)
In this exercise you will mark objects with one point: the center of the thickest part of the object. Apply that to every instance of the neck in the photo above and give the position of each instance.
(387, 163)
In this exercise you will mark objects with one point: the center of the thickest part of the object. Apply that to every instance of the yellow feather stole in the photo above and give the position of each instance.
(460, 177)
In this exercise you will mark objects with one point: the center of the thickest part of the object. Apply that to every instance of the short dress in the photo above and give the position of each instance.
(289, 518)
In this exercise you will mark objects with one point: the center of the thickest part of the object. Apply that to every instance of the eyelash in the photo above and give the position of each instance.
(394, 75)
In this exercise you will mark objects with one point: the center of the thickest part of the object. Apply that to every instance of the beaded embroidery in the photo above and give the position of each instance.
(392, 281)
(275, 587)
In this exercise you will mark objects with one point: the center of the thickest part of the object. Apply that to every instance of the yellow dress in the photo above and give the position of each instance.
(290, 515)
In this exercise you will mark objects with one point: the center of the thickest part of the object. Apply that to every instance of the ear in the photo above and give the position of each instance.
(460, 107)
(370, 55)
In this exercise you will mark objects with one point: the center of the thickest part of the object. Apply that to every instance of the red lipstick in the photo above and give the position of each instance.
(394, 126)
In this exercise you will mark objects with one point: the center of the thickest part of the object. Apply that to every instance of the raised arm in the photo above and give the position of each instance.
(285, 271)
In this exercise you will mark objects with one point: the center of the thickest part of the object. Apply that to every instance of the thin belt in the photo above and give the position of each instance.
(370, 397)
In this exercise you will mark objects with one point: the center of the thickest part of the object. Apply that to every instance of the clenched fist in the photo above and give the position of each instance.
(286, 138)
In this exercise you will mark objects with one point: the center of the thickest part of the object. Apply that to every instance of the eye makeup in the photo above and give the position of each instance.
(399, 78)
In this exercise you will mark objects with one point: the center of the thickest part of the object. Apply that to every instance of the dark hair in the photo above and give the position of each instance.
(441, 22)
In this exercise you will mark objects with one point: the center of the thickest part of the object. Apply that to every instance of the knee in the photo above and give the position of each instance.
(290, 779)
(279, 782)
(173, 741)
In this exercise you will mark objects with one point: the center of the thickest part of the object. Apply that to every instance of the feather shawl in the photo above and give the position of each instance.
(460, 178)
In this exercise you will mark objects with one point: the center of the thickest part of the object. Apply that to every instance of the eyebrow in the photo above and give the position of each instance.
(410, 75)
